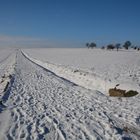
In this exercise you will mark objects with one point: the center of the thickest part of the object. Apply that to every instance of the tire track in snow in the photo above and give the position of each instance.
(44, 106)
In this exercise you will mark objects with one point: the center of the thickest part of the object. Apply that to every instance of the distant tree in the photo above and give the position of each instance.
(92, 45)
(127, 44)
(135, 48)
(110, 47)
(87, 45)
(117, 46)
(103, 47)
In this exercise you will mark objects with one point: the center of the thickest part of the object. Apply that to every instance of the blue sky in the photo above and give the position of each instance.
(68, 23)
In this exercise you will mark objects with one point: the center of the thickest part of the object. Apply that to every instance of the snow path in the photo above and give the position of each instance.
(45, 106)
(7, 61)
(6, 68)
(6, 64)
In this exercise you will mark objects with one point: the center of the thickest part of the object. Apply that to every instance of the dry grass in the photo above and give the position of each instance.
(121, 93)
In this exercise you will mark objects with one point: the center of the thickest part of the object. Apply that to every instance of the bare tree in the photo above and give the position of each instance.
(127, 44)
(117, 46)
(92, 45)
(87, 45)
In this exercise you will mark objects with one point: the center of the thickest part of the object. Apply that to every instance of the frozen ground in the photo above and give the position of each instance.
(39, 104)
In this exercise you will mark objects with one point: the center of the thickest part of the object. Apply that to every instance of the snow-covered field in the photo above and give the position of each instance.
(93, 69)
(61, 94)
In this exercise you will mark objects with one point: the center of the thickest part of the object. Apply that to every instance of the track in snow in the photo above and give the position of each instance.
(44, 106)
(5, 64)
(6, 69)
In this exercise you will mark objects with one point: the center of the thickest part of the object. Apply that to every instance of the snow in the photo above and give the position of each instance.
(7, 60)
(93, 69)
(41, 104)
(4, 123)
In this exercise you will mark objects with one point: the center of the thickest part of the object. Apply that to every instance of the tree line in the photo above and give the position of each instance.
(116, 46)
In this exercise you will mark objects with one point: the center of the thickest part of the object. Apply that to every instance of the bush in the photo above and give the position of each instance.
(130, 93)
(110, 47)
(121, 93)
(116, 92)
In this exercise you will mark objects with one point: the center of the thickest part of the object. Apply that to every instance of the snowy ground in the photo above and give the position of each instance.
(40, 105)
(7, 63)
(93, 69)
(7, 60)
